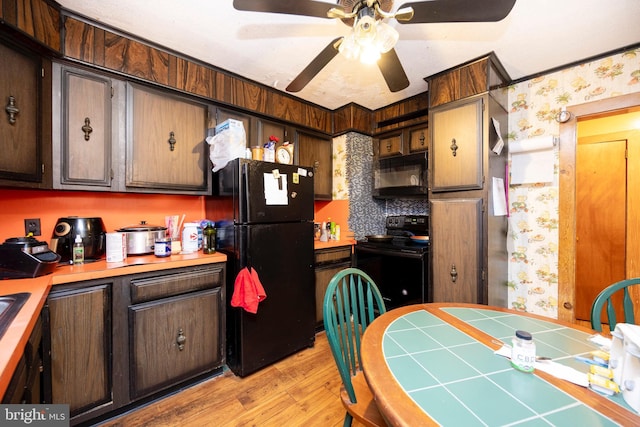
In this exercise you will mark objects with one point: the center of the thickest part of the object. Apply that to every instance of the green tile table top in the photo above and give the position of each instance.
(458, 381)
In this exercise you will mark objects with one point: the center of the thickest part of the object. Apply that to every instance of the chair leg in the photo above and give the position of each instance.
(348, 418)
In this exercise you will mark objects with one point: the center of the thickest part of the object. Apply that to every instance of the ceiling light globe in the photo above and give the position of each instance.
(386, 37)
(369, 55)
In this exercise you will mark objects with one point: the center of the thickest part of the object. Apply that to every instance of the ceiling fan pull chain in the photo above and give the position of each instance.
(454, 147)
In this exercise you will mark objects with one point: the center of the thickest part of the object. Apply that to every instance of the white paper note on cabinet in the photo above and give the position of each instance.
(532, 160)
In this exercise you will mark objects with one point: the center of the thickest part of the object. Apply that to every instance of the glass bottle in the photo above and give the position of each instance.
(523, 352)
(78, 251)
(209, 239)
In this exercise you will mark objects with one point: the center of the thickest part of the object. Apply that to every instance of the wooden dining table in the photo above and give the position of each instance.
(435, 364)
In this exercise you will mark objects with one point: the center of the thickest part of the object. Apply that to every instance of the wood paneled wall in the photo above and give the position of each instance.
(89, 43)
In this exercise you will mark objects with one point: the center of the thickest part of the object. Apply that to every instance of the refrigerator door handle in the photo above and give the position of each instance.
(245, 179)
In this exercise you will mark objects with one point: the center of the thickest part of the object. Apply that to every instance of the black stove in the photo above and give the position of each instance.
(400, 230)
(398, 264)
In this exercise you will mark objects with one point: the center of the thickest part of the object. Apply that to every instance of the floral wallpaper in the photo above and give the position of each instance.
(533, 236)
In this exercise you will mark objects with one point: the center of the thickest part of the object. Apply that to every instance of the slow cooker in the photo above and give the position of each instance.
(141, 238)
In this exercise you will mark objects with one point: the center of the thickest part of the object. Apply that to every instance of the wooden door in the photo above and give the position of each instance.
(174, 339)
(20, 144)
(613, 118)
(457, 146)
(456, 236)
(600, 220)
(166, 148)
(317, 152)
(86, 129)
(80, 347)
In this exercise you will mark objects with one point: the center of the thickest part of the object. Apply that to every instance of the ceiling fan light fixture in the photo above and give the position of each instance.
(349, 47)
(386, 37)
(369, 54)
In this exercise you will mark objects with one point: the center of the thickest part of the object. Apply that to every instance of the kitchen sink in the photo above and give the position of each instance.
(10, 305)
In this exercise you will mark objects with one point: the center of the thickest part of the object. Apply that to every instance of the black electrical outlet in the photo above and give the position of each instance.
(32, 227)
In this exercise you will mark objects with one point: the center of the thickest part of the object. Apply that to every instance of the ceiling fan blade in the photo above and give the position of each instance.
(315, 66)
(392, 71)
(433, 11)
(289, 7)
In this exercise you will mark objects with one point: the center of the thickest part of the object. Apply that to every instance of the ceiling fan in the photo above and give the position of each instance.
(371, 39)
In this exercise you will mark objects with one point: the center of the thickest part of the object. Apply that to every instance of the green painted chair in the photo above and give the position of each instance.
(604, 297)
(352, 301)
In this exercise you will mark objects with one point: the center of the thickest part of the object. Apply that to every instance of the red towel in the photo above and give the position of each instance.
(247, 291)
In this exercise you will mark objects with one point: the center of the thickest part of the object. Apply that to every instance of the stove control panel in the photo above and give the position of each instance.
(418, 224)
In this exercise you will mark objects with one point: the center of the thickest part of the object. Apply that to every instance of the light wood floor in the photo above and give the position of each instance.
(301, 390)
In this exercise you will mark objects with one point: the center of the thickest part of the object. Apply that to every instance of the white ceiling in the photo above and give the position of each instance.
(537, 36)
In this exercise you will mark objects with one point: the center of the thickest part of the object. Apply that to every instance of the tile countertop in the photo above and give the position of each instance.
(15, 338)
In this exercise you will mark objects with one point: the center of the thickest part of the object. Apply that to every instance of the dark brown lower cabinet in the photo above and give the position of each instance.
(111, 343)
(171, 340)
(25, 386)
(328, 262)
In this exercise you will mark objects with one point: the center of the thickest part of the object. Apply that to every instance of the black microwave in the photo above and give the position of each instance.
(401, 177)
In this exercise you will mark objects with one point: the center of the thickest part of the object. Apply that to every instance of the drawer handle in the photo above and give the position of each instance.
(87, 129)
(454, 147)
(453, 273)
(388, 146)
(12, 110)
(181, 339)
(422, 138)
(172, 141)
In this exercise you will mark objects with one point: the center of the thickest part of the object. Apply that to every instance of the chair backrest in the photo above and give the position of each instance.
(352, 301)
(605, 297)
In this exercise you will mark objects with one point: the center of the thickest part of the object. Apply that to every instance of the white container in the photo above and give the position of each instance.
(523, 352)
(190, 238)
(116, 247)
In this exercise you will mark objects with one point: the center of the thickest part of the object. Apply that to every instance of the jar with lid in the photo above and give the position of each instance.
(209, 239)
(190, 237)
(523, 351)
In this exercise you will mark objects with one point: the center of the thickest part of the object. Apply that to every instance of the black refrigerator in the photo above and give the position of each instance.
(270, 229)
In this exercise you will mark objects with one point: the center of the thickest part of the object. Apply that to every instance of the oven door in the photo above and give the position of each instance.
(401, 276)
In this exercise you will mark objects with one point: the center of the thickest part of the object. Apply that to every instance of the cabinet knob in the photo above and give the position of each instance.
(422, 138)
(87, 129)
(454, 147)
(388, 146)
(11, 109)
(453, 273)
(567, 305)
(172, 141)
(181, 339)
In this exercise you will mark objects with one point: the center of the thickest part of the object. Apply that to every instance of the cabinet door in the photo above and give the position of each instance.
(174, 339)
(85, 129)
(328, 262)
(20, 143)
(317, 151)
(267, 129)
(418, 139)
(456, 245)
(456, 151)
(390, 145)
(166, 147)
(78, 331)
(222, 115)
